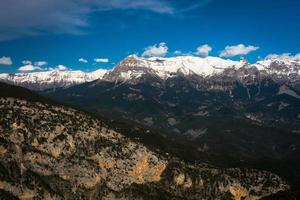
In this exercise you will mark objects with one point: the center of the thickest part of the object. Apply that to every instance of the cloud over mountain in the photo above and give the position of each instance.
(204, 50)
(82, 60)
(101, 60)
(40, 63)
(29, 68)
(27, 62)
(237, 50)
(284, 56)
(5, 60)
(157, 50)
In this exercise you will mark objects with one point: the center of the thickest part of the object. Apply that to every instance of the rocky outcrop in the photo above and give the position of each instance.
(73, 149)
(53, 152)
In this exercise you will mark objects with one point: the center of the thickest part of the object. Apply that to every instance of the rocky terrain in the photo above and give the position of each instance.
(228, 113)
(236, 107)
(50, 151)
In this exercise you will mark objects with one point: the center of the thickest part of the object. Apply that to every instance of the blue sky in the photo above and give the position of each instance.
(62, 32)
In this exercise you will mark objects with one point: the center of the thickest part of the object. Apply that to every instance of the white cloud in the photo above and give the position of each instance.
(28, 68)
(180, 53)
(26, 62)
(177, 53)
(37, 63)
(156, 50)
(274, 56)
(61, 68)
(237, 50)
(5, 61)
(101, 60)
(284, 56)
(82, 60)
(204, 50)
(40, 63)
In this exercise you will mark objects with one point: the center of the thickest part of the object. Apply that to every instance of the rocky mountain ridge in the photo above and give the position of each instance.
(49, 151)
(134, 69)
(51, 79)
(238, 114)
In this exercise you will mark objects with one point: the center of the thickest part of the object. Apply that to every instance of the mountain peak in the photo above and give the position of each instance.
(133, 67)
(244, 61)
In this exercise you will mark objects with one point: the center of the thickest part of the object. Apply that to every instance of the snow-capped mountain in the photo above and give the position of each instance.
(51, 79)
(133, 67)
(287, 68)
(163, 89)
(220, 106)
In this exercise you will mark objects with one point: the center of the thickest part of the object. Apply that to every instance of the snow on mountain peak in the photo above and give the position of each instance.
(52, 79)
(279, 65)
(133, 66)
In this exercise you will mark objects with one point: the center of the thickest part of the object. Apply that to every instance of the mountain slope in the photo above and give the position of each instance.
(51, 79)
(20, 93)
(53, 152)
(250, 92)
(245, 115)
(201, 117)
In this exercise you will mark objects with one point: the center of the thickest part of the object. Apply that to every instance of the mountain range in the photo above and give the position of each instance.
(51, 151)
(134, 67)
(51, 79)
(231, 114)
(174, 89)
